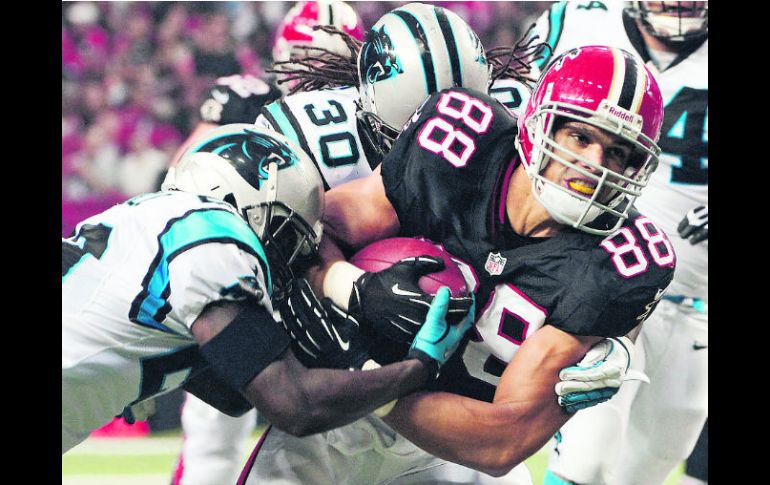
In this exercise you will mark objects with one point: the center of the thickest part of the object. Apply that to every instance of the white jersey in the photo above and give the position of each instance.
(324, 124)
(512, 93)
(135, 279)
(680, 182)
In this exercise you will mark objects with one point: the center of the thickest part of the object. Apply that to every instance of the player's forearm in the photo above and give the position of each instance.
(339, 397)
(489, 437)
(315, 400)
(524, 415)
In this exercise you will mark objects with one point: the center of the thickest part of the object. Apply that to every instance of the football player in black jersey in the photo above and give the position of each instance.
(541, 210)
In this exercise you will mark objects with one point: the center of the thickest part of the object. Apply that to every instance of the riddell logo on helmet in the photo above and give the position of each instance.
(631, 120)
(625, 116)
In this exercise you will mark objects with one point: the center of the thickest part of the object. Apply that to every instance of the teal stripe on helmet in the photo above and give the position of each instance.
(417, 49)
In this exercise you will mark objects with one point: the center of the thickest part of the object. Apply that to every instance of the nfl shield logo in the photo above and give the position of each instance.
(495, 264)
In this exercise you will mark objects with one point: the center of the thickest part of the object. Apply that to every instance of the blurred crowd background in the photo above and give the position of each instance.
(134, 75)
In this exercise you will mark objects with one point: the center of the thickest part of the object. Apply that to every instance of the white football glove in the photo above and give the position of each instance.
(597, 377)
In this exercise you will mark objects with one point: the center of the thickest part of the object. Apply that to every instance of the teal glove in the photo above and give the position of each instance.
(576, 401)
(437, 339)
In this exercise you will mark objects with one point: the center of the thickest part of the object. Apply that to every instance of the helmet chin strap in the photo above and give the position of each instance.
(562, 206)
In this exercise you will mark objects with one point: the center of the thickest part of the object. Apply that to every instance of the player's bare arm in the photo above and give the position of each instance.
(359, 212)
(520, 420)
(311, 400)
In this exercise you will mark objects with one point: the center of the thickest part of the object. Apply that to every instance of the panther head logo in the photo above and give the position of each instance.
(250, 152)
(379, 59)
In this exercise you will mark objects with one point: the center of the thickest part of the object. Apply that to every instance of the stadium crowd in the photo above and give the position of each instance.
(134, 73)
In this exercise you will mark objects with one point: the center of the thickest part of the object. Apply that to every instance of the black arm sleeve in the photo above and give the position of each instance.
(209, 388)
(246, 346)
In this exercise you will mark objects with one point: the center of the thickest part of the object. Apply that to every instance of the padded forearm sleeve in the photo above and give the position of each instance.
(246, 346)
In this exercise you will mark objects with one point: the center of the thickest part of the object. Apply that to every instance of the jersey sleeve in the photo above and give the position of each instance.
(611, 287)
(220, 258)
(513, 94)
(608, 318)
(237, 99)
(440, 158)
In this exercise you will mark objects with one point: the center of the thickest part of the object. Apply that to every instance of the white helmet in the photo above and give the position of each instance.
(672, 21)
(410, 53)
(274, 185)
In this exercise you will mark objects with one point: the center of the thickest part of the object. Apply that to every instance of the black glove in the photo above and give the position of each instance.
(695, 225)
(322, 334)
(392, 303)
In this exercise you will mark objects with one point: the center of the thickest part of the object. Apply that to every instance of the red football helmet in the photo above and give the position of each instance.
(613, 90)
(297, 28)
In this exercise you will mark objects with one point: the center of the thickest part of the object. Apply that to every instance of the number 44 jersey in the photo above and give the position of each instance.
(447, 177)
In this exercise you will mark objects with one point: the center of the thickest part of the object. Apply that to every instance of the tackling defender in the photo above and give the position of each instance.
(176, 288)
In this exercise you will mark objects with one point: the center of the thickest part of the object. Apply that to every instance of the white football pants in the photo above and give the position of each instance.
(642, 433)
(366, 452)
(213, 447)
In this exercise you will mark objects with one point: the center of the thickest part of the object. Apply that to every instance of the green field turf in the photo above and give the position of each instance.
(148, 461)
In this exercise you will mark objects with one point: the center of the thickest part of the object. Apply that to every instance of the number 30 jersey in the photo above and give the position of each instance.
(680, 182)
(447, 177)
(324, 124)
(134, 279)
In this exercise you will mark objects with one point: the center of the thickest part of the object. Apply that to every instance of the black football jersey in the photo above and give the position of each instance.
(447, 178)
(237, 99)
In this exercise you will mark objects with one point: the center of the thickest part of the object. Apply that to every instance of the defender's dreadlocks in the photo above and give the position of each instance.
(520, 57)
(328, 69)
(325, 69)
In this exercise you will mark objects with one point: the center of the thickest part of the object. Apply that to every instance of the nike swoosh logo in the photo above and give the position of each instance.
(220, 97)
(699, 347)
(398, 291)
(344, 344)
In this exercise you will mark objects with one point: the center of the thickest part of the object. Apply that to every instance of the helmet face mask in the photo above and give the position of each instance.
(611, 90)
(410, 53)
(290, 243)
(376, 135)
(672, 21)
(272, 183)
